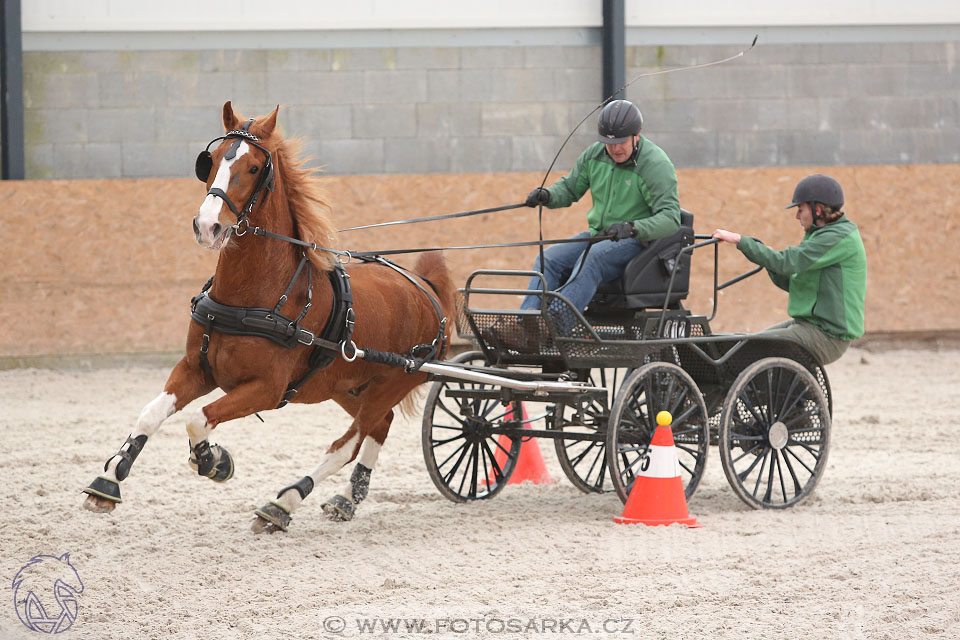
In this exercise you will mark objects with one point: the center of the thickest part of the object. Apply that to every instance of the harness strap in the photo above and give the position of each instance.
(220, 193)
(207, 322)
(421, 352)
(446, 216)
(339, 326)
(365, 255)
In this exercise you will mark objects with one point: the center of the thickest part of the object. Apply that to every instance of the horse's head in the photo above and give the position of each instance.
(238, 172)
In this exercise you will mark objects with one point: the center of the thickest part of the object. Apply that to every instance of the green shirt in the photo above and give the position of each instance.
(644, 193)
(826, 275)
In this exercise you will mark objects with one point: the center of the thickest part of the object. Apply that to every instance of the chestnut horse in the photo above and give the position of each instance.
(394, 312)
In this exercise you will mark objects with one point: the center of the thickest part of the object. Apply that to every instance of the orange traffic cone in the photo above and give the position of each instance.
(657, 495)
(530, 464)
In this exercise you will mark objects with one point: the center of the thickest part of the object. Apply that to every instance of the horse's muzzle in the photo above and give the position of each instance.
(214, 238)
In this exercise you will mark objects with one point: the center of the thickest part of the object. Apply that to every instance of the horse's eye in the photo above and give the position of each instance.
(254, 169)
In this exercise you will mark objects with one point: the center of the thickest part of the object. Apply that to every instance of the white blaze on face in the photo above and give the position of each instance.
(209, 213)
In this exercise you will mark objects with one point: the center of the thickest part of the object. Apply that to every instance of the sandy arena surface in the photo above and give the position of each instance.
(873, 554)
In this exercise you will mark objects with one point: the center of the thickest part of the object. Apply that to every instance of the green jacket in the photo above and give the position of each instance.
(826, 275)
(645, 192)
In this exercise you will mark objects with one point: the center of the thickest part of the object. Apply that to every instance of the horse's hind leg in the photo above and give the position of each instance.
(275, 515)
(365, 435)
(343, 505)
(184, 384)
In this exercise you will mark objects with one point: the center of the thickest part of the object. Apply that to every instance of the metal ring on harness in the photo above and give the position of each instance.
(343, 351)
(236, 228)
(344, 257)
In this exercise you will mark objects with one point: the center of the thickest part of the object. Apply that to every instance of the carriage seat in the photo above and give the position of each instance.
(645, 280)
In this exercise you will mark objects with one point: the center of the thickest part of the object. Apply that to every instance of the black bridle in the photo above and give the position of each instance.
(204, 166)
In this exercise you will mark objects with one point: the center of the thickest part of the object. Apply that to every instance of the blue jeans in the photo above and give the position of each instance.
(606, 261)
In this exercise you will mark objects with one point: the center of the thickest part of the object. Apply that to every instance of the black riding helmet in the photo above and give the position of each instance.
(818, 188)
(619, 121)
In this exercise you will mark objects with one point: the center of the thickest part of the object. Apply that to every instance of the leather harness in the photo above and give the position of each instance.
(288, 333)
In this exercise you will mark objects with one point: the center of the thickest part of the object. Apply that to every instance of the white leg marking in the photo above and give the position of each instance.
(369, 452)
(197, 427)
(151, 417)
(290, 500)
(330, 464)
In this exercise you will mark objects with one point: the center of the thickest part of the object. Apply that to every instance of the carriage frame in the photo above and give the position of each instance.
(602, 376)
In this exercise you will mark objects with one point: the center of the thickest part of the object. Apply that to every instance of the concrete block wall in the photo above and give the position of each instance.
(132, 114)
(827, 104)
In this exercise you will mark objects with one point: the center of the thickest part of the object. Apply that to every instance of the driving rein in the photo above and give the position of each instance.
(336, 337)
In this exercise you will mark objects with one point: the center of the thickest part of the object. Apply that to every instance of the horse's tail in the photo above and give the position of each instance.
(433, 267)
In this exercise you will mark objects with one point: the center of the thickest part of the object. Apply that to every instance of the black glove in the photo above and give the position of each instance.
(537, 197)
(620, 231)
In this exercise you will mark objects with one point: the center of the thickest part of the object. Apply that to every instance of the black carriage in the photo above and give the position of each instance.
(603, 375)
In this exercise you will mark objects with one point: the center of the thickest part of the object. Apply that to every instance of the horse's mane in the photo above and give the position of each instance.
(308, 205)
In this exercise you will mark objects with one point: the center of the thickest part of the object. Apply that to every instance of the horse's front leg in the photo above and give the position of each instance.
(185, 383)
(212, 460)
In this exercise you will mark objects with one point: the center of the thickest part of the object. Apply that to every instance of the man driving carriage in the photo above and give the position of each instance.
(826, 274)
(634, 189)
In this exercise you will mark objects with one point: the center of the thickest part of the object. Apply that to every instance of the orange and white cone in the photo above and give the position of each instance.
(657, 495)
(530, 464)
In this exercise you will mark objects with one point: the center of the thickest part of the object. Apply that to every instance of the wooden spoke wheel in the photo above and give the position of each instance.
(774, 434)
(656, 387)
(584, 461)
(465, 460)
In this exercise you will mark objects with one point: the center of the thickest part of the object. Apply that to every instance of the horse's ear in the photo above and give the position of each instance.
(270, 123)
(231, 121)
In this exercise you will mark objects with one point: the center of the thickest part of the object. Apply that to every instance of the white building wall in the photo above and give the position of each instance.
(255, 15)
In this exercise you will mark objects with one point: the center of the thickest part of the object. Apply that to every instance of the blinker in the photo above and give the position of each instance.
(204, 166)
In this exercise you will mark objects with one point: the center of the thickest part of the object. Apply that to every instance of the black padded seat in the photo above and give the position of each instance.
(645, 280)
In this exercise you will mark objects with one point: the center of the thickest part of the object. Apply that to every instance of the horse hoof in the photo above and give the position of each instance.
(98, 504)
(271, 517)
(223, 470)
(211, 461)
(102, 495)
(339, 509)
(262, 526)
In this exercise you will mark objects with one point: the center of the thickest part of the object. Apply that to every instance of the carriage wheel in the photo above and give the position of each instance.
(584, 462)
(774, 434)
(465, 460)
(655, 387)
(821, 375)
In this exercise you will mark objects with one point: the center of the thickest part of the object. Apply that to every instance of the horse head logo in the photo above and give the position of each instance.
(45, 593)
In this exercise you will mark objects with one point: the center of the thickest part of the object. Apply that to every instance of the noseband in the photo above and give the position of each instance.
(204, 166)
